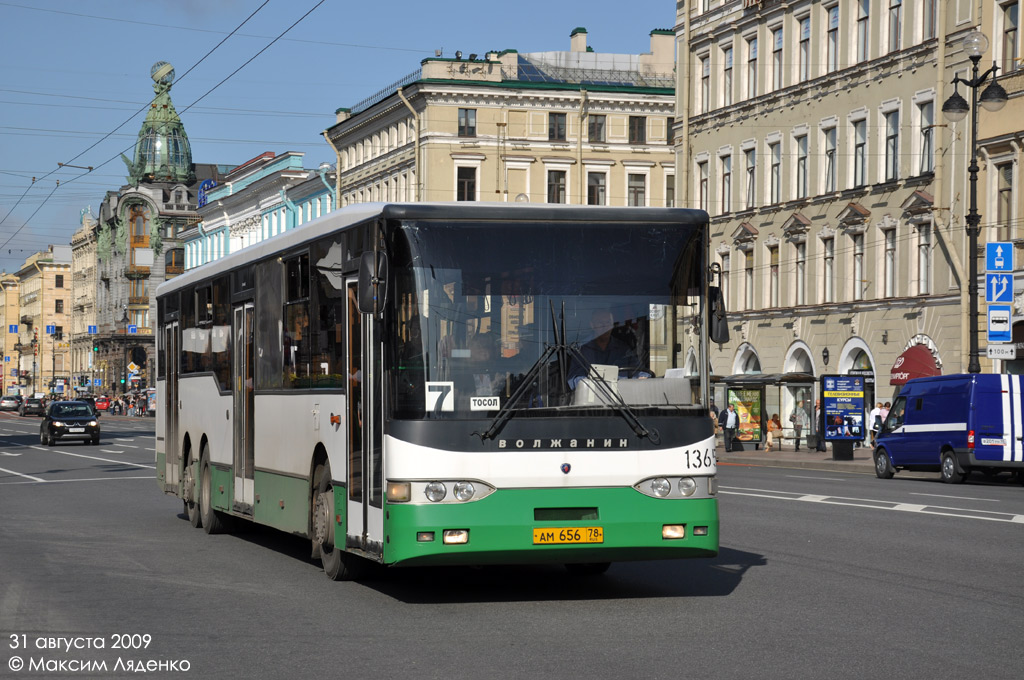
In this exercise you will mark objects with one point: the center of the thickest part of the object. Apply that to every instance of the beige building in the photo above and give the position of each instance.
(9, 319)
(812, 133)
(575, 126)
(44, 300)
(85, 279)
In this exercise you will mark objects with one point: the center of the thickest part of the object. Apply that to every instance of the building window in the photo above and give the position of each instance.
(752, 68)
(830, 160)
(637, 190)
(726, 183)
(777, 59)
(773, 276)
(801, 273)
(467, 122)
(829, 256)
(727, 77)
(928, 12)
(832, 40)
(863, 28)
(858, 266)
(805, 49)
(775, 175)
(58, 280)
(801, 166)
(1010, 21)
(556, 127)
(670, 131)
(926, 111)
(751, 163)
(889, 266)
(58, 306)
(726, 265)
(860, 151)
(892, 145)
(638, 129)
(705, 84)
(748, 279)
(1004, 200)
(595, 127)
(596, 188)
(702, 190)
(466, 184)
(895, 24)
(924, 259)
(556, 186)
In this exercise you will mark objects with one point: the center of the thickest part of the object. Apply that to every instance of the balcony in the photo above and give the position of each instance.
(134, 271)
(174, 269)
(140, 241)
(142, 300)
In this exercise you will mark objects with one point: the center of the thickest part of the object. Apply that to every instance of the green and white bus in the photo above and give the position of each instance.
(431, 384)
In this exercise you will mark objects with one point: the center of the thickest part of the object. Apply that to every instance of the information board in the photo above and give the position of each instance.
(842, 398)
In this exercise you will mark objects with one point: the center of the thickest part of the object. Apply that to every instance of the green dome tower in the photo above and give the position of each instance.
(162, 152)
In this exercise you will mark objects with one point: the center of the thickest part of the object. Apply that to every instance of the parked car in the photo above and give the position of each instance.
(10, 402)
(69, 420)
(33, 406)
(88, 400)
(102, 403)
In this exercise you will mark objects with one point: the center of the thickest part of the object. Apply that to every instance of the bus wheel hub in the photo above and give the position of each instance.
(322, 520)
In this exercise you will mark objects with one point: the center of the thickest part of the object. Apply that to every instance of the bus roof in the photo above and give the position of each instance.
(478, 211)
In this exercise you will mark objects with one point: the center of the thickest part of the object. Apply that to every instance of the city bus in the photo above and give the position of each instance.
(450, 384)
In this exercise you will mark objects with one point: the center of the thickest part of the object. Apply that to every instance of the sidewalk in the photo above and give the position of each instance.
(786, 456)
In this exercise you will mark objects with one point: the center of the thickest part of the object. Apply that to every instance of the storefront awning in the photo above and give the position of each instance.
(915, 362)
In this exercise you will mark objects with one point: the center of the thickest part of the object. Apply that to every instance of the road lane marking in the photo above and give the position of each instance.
(18, 474)
(105, 460)
(66, 481)
(943, 511)
(9, 454)
(830, 479)
(959, 498)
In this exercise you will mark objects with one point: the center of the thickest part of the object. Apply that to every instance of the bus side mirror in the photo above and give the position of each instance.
(718, 322)
(373, 282)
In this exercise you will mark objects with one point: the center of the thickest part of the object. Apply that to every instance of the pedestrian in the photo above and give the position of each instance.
(774, 425)
(714, 409)
(729, 420)
(819, 418)
(875, 418)
(800, 420)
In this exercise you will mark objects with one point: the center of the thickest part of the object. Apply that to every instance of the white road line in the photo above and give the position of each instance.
(12, 472)
(66, 481)
(105, 460)
(958, 498)
(831, 479)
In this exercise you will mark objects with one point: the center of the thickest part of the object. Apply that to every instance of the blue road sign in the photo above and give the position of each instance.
(51, 329)
(999, 288)
(97, 382)
(12, 328)
(92, 330)
(999, 256)
(133, 329)
(7, 360)
(999, 323)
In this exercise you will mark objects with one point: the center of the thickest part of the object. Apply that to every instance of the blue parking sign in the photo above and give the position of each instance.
(999, 256)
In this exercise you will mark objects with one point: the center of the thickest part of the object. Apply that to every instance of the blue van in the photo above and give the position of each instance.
(953, 424)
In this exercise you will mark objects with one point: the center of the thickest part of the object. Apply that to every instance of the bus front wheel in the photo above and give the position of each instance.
(338, 565)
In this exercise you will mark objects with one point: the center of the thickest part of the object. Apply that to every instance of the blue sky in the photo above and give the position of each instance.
(72, 72)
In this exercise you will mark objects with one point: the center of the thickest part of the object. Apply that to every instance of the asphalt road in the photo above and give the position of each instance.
(821, 574)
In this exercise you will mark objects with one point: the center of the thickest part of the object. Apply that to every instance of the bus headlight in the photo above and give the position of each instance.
(464, 490)
(660, 487)
(435, 492)
(687, 486)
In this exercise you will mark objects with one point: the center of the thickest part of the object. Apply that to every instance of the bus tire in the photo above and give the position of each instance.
(588, 568)
(338, 565)
(951, 473)
(883, 467)
(212, 523)
(188, 479)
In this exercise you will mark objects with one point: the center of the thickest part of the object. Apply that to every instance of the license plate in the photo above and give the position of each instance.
(563, 535)
(76, 429)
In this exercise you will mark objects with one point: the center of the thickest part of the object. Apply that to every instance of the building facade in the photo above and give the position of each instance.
(260, 198)
(573, 126)
(811, 131)
(44, 301)
(10, 339)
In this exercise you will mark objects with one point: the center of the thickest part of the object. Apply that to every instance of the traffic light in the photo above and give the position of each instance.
(95, 345)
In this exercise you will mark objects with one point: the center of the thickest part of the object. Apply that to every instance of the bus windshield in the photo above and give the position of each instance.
(477, 304)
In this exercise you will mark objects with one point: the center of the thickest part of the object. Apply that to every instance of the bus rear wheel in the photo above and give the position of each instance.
(212, 523)
(338, 565)
(188, 492)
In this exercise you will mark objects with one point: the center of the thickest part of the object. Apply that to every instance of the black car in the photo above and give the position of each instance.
(90, 401)
(69, 420)
(33, 406)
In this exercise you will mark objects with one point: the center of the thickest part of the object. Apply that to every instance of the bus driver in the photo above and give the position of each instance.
(605, 348)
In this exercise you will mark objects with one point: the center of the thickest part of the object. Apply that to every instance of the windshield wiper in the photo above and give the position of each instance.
(525, 385)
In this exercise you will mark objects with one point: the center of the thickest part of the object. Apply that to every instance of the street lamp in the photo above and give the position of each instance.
(124, 348)
(956, 109)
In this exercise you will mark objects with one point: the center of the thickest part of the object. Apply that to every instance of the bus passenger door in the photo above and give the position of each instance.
(243, 375)
(172, 447)
(365, 525)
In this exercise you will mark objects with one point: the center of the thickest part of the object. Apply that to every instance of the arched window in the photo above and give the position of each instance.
(137, 219)
(861, 361)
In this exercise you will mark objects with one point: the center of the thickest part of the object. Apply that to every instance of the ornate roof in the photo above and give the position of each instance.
(162, 152)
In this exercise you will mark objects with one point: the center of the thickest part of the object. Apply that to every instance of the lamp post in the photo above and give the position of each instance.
(124, 348)
(956, 109)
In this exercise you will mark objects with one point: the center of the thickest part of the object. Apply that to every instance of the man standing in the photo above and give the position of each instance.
(729, 420)
(875, 421)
